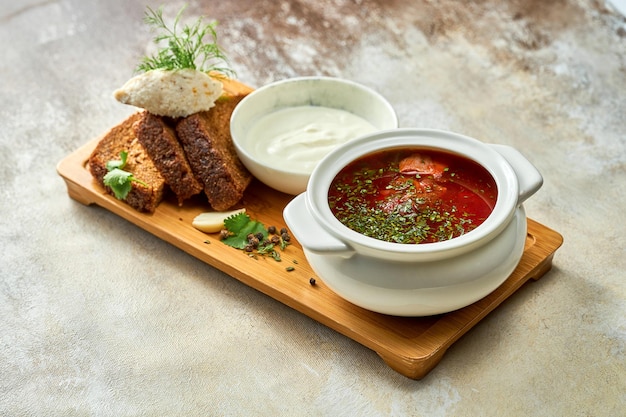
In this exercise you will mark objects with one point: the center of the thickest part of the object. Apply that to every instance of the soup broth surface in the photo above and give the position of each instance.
(411, 195)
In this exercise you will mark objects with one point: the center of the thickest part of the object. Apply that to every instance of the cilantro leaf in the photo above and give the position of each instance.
(236, 222)
(111, 165)
(117, 179)
(250, 235)
(240, 226)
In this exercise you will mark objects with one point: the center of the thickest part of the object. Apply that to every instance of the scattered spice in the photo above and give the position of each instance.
(312, 281)
(242, 232)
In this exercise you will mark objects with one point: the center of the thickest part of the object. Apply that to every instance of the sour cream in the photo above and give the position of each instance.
(297, 138)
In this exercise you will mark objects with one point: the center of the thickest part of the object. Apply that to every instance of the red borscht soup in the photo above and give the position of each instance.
(410, 195)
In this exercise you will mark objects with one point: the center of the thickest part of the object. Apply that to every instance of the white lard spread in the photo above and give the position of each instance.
(176, 93)
(297, 138)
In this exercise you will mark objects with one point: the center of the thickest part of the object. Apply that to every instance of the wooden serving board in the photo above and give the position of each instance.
(411, 346)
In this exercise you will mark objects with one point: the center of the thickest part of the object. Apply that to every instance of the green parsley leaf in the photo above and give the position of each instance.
(252, 236)
(118, 163)
(117, 179)
(240, 226)
(236, 222)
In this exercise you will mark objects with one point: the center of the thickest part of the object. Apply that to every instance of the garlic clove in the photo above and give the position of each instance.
(213, 222)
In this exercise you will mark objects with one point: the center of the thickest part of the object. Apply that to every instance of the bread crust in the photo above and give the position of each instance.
(206, 139)
(159, 140)
(188, 155)
(144, 198)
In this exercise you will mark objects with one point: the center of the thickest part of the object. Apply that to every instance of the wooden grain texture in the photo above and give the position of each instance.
(410, 345)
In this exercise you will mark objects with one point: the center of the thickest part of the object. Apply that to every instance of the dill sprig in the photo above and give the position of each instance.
(184, 48)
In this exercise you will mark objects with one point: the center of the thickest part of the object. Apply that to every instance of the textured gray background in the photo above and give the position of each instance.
(98, 317)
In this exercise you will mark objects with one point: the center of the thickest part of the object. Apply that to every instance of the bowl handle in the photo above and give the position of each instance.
(528, 177)
(309, 233)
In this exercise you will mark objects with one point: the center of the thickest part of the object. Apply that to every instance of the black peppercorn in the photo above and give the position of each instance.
(312, 281)
(271, 230)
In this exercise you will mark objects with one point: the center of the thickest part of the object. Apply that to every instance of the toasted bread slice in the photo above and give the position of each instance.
(158, 137)
(206, 139)
(120, 138)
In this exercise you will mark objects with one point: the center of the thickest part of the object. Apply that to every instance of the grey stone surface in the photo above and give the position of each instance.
(98, 317)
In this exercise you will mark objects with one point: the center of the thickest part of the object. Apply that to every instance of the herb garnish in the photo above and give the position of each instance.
(251, 236)
(408, 220)
(240, 226)
(185, 48)
(117, 179)
(372, 196)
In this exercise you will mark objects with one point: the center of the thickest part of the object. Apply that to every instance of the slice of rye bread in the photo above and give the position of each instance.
(158, 137)
(122, 138)
(207, 142)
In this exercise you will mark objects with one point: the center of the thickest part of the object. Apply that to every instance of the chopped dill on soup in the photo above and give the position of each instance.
(410, 195)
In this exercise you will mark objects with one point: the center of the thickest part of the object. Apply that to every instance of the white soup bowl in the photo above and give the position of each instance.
(416, 279)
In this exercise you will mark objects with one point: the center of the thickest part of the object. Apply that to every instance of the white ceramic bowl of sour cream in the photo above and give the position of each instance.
(283, 129)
